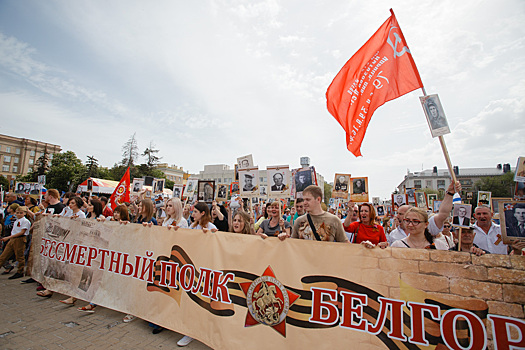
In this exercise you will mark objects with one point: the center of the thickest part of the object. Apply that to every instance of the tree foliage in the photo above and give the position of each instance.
(500, 186)
(327, 192)
(92, 167)
(66, 172)
(150, 153)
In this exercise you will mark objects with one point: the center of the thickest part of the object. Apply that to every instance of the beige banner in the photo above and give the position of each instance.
(239, 291)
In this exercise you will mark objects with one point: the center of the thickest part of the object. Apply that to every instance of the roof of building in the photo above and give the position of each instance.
(462, 172)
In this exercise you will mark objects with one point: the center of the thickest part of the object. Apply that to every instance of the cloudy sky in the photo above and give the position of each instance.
(208, 81)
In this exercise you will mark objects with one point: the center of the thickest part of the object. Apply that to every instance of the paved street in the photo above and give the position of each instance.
(28, 321)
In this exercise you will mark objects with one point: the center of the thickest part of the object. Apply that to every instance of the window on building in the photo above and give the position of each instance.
(31, 161)
(16, 160)
(15, 169)
(429, 183)
(32, 153)
(7, 149)
(7, 159)
(417, 183)
(17, 151)
(5, 167)
(441, 184)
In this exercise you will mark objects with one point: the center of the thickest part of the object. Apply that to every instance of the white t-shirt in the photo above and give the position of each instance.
(182, 222)
(70, 213)
(210, 226)
(67, 212)
(400, 243)
(491, 241)
(21, 224)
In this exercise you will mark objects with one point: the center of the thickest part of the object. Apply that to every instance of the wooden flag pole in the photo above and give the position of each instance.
(459, 240)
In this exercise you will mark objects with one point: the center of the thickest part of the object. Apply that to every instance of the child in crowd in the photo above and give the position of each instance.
(17, 241)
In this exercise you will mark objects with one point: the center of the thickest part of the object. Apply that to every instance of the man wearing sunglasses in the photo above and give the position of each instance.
(435, 223)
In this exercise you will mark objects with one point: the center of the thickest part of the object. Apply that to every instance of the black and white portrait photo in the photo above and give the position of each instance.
(359, 189)
(303, 179)
(206, 191)
(410, 195)
(245, 162)
(435, 115)
(222, 191)
(177, 191)
(234, 188)
(380, 210)
(513, 220)
(421, 200)
(263, 191)
(341, 186)
(398, 200)
(137, 185)
(461, 215)
(249, 181)
(191, 186)
(278, 181)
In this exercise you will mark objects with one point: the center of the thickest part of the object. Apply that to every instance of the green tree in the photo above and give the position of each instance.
(327, 192)
(4, 182)
(66, 172)
(500, 186)
(92, 167)
(42, 164)
(169, 184)
(150, 153)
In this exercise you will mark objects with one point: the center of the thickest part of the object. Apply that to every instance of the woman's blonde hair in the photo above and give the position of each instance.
(177, 205)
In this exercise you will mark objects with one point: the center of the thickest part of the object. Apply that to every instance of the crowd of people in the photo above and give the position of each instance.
(308, 218)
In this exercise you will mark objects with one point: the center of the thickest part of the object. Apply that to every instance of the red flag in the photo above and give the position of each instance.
(383, 69)
(121, 193)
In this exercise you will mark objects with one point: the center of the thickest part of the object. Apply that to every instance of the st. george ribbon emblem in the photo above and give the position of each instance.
(268, 301)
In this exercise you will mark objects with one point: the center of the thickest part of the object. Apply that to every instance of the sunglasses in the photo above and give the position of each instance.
(446, 226)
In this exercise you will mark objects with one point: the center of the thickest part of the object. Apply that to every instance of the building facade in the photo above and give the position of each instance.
(439, 179)
(173, 173)
(19, 155)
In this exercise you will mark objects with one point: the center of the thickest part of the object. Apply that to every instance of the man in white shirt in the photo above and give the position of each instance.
(488, 234)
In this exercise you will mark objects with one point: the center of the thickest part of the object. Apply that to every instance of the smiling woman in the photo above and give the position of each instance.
(416, 222)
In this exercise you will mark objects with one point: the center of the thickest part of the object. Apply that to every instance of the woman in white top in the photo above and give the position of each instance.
(416, 222)
(174, 214)
(202, 218)
(75, 204)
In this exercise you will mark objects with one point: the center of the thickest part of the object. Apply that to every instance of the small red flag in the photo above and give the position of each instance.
(383, 69)
(121, 193)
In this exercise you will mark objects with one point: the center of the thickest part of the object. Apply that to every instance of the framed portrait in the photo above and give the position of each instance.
(147, 194)
(19, 187)
(137, 185)
(375, 201)
(461, 215)
(431, 197)
(410, 195)
(436, 206)
(484, 197)
(263, 191)
(90, 185)
(437, 122)
(177, 191)
(278, 181)
(206, 191)
(421, 200)
(398, 200)
(380, 210)
(495, 203)
(249, 182)
(191, 187)
(222, 192)
(245, 162)
(519, 175)
(359, 189)
(148, 180)
(42, 180)
(159, 185)
(35, 188)
(255, 200)
(303, 178)
(512, 218)
(341, 186)
(519, 192)
(234, 188)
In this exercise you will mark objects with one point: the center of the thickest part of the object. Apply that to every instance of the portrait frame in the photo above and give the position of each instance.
(177, 191)
(285, 190)
(508, 221)
(421, 199)
(159, 186)
(436, 205)
(359, 189)
(341, 187)
(137, 185)
(484, 197)
(308, 175)
(519, 174)
(431, 197)
(410, 192)
(249, 189)
(263, 191)
(519, 191)
(245, 162)
(234, 188)
(439, 126)
(191, 188)
(395, 203)
(495, 203)
(455, 215)
(89, 185)
(380, 210)
(222, 192)
(206, 191)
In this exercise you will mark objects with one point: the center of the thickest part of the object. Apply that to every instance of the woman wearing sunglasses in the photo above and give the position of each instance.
(416, 222)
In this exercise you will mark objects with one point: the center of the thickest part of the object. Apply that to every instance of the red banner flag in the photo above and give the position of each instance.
(121, 193)
(383, 69)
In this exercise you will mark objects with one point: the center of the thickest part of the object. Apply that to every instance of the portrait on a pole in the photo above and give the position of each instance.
(278, 181)
(436, 119)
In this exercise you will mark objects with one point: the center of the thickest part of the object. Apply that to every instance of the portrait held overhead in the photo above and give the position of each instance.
(249, 182)
(462, 215)
(435, 115)
(359, 189)
(341, 187)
